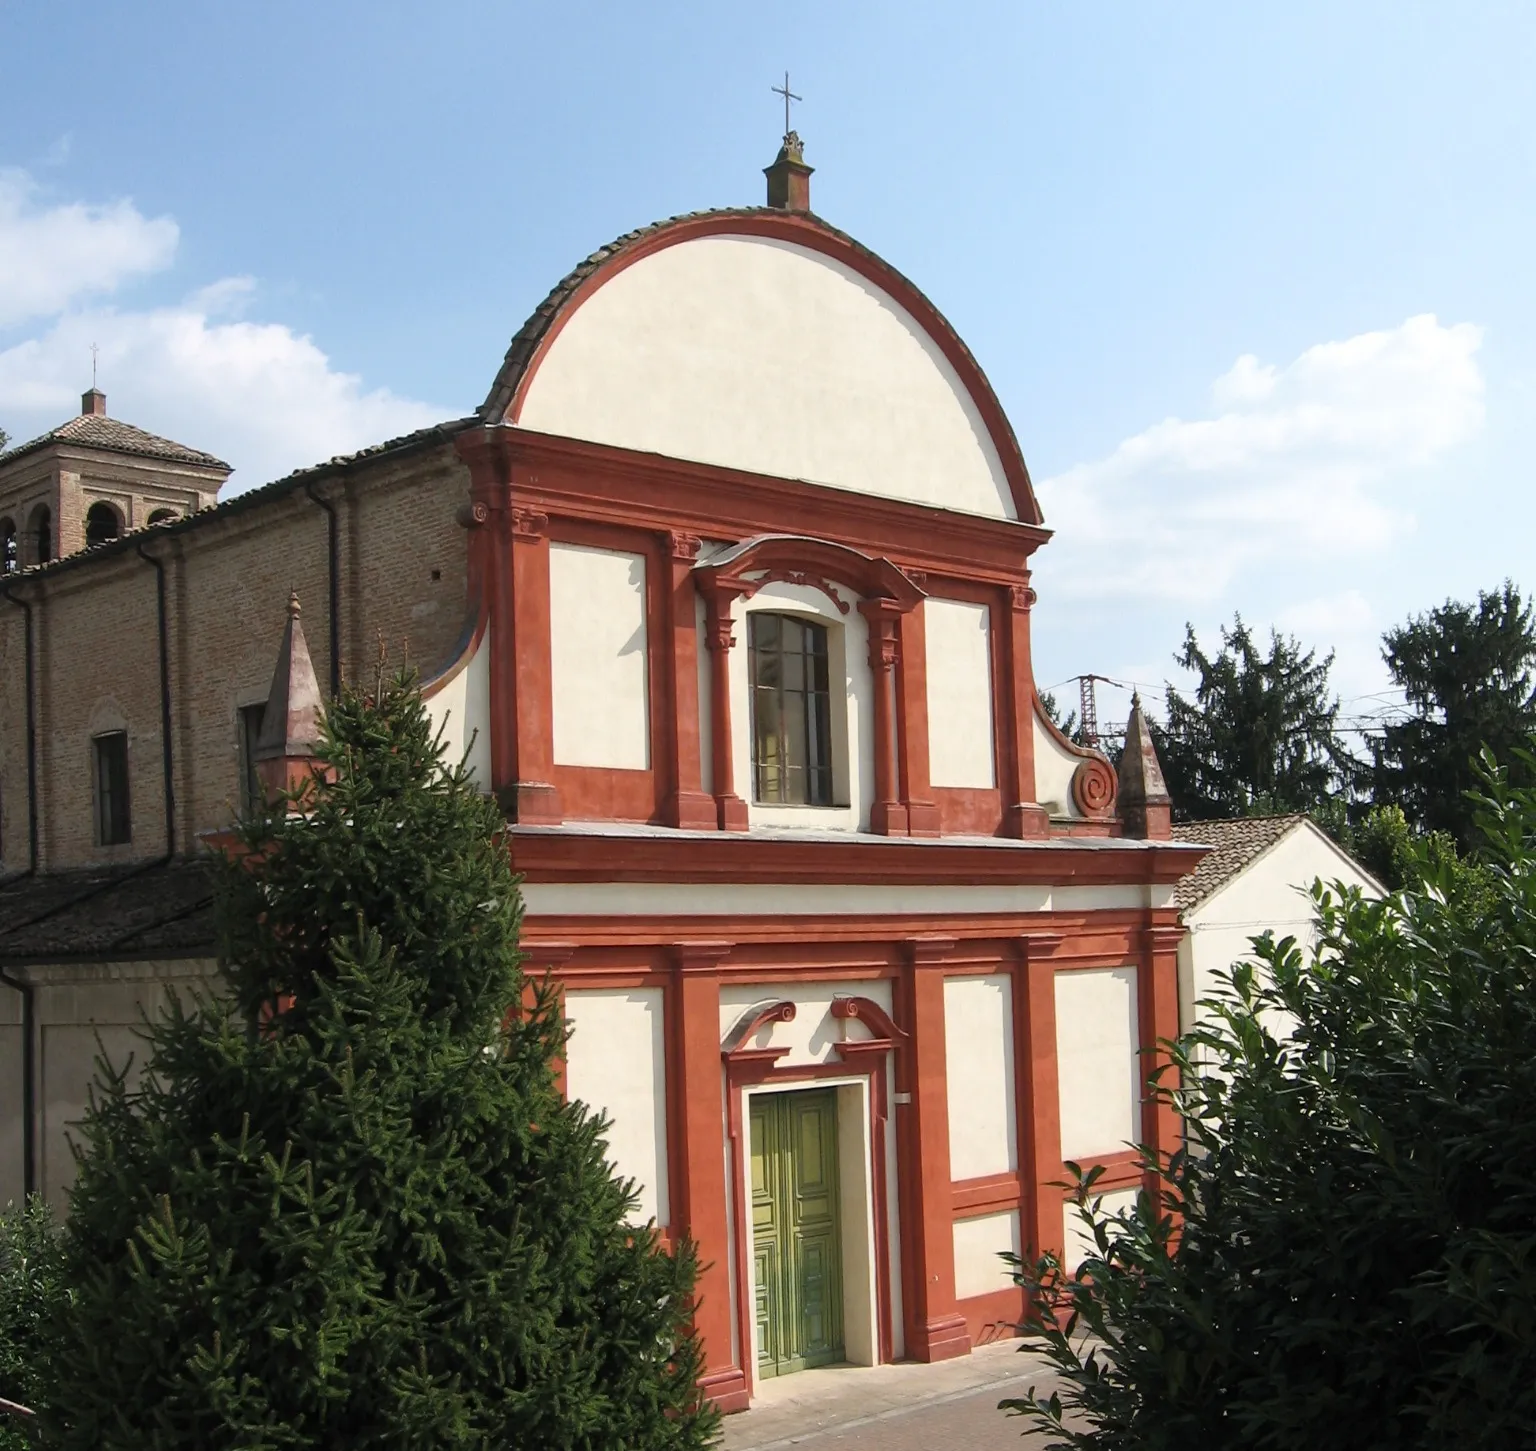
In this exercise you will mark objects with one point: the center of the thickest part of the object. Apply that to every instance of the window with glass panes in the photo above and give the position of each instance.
(791, 711)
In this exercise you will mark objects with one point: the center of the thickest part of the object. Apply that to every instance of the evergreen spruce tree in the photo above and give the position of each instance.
(346, 1206)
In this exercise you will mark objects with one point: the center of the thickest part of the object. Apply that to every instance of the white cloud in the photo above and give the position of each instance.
(50, 257)
(1295, 461)
(258, 394)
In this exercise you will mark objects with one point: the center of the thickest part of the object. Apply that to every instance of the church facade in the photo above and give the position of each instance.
(725, 592)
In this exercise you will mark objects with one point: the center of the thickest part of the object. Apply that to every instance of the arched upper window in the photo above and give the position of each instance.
(791, 711)
(163, 516)
(9, 562)
(102, 522)
(42, 534)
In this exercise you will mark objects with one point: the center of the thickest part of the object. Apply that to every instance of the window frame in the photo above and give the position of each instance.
(248, 719)
(111, 799)
(802, 712)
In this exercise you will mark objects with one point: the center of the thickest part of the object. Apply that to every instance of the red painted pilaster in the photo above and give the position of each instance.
(912, 721)
(687, 803)
(1157, 1000)
(731, 810)
(697, 1154)
(887, 814)
(510, 556)
(935, 1329)
(1022, 815)
(530, 797)
(1040, 1094)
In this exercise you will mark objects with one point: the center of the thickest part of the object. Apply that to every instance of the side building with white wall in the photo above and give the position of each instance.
(1257, 878)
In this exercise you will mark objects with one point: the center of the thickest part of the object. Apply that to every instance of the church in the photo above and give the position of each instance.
(725, 592)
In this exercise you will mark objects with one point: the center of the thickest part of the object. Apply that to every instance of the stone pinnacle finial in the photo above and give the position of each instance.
(1144, 806)
(290, 725)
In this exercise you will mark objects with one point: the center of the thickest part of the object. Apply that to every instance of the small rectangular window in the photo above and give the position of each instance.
(251, 794)
(112, 820)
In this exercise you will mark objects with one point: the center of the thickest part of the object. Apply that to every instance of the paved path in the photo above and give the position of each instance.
(952, 1406)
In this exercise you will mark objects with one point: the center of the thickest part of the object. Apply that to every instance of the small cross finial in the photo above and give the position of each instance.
(293, 604)
(789, 96)
(94, 351)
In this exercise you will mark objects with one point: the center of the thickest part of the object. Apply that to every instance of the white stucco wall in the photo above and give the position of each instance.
(1055, 766)
(978, 1048)
(598, 661)
(960, 717)
(852, 703)
(461, 706)
(82, 1010)
(1077, 1240)
(979, 1243)
(758, 354)
(616, 1062)
(1270, 893)
(1096, 1061)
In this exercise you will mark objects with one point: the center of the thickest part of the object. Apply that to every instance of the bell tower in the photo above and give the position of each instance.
(92, 479)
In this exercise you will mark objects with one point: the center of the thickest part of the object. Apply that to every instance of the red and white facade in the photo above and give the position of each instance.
(746, 411)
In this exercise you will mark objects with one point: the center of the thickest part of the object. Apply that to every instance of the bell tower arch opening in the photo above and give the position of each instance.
(103, 523)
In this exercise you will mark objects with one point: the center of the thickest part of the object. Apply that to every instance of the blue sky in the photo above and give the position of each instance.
(1255, 284)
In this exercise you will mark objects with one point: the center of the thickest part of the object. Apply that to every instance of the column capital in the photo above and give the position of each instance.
(683, 547)
(1165, 936)
(1037, 945)
(928, 949)
(528, 525)
(699, 957)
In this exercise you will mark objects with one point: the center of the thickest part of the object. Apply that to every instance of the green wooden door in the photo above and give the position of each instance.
(796, 1231)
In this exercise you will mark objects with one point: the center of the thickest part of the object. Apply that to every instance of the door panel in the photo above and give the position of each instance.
(766, 1219)
(796, 1239)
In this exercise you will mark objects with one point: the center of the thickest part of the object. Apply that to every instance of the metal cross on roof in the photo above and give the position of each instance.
(789, 96)
(94, 351)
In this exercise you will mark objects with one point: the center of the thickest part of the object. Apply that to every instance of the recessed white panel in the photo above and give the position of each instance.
(978, 1050)
(598, 661)
(980, 1244)
(616, 1063)
(959, 658)
(1097, 1061)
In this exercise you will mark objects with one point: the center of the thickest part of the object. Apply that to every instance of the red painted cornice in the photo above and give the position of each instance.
(560, 854)
(571, 478)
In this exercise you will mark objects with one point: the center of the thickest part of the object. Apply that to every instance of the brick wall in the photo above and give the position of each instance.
(228, 578)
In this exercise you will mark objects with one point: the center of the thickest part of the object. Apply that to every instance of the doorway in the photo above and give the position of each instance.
(797, 1247)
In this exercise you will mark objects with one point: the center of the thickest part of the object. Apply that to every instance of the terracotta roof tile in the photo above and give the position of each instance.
(1234, 844)
(130, 911)
(89, 430)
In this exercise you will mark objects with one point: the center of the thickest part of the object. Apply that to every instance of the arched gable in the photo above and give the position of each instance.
(769, 342)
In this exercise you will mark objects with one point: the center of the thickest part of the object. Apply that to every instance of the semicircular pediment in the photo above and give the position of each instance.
(768, 343)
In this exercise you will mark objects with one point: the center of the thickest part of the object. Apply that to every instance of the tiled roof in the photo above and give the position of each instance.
(527, 338)
(90, 430)
(1234, 844)
(254, 498)
(128, 911)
